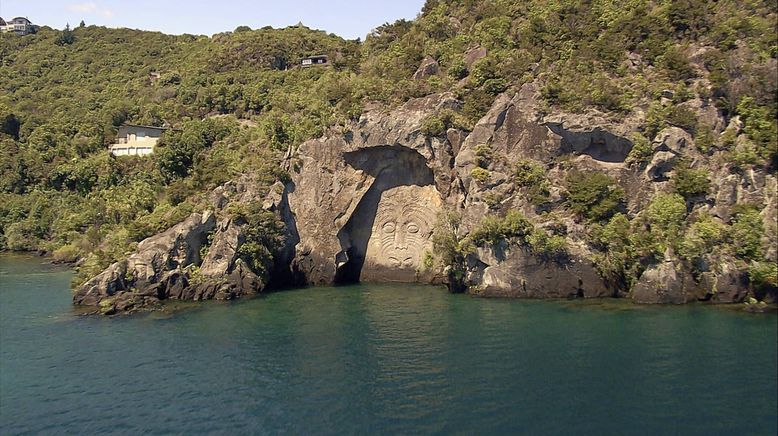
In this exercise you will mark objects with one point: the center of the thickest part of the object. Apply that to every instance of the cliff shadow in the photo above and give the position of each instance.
(599, 144)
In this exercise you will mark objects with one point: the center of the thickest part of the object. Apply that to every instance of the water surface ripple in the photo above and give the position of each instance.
(379, 359)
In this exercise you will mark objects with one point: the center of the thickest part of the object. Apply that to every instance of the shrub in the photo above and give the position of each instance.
(495, 86)
(458, 70)
(760, 126)
(747, 232)
(680, 116)
(67, 253)
(529, 173)
(483, 155)
(492, 230)
(763, 275)
(666, 215)
(481, 175)
(451, 249)
(533, 177)
(433, 126)
(690, 182)
(642, 150)
(593, 195)
(263, 236)
(677, 65)
(702, 238)
(704, 140)
(547, 247)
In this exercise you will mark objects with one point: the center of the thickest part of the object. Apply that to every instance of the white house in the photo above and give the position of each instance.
(19, 26)
(314, 61)
(134, 140)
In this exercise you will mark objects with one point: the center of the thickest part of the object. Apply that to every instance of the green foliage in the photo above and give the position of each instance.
(690, 182)
(618, 256)
(642, 150)
(481, 175)
(593, 195)
(760, 126)
(547, 247)
(666, 215)
(483, 155)
(704, 140)
(532, 177)
(747, 232)
(263, 236)
(763, 275)
(433, 126)
(681, 116)
(702, 238)
(677, 66)
(515, 226)
(451, 249)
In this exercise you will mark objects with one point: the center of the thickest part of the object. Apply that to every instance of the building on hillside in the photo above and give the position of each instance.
(315, 61)
(134, 140)
(19, 25)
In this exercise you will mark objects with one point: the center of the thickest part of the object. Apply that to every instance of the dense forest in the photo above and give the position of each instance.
(238, 103)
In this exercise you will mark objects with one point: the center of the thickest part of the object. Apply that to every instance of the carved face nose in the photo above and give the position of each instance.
(399, 240)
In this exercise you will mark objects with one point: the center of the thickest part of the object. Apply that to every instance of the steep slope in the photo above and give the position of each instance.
(637, 141)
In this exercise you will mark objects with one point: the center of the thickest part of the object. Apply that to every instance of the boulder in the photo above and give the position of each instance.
(661, 164)
(666, 283)
(428, 67)
(513, 271)
(177, 247)
(474, 55)
(674, 140)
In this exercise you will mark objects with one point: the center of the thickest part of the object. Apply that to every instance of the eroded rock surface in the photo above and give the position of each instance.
(363, 203)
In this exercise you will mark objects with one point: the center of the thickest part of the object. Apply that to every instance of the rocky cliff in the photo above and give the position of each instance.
(364, 203)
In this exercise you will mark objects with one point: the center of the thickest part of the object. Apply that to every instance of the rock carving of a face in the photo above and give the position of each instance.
(402, 230)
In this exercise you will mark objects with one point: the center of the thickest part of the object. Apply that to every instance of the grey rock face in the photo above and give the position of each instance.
(512, 271)
(175, 248)
(666, 283)
(364, 203)
(429, 67)
(474, 55)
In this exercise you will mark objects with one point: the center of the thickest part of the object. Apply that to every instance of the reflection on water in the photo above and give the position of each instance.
(379, 358)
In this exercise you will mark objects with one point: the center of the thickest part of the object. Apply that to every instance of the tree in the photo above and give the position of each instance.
(66, 37)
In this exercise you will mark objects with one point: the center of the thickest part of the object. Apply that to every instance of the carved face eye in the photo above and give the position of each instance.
(389, 227)
(413, 228)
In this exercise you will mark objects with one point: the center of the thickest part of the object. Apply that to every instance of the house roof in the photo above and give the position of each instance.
(21, 20)
(316, 57)
(2, 21)
(144, 127)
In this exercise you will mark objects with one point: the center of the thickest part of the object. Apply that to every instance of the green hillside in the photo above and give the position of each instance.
(238, 102)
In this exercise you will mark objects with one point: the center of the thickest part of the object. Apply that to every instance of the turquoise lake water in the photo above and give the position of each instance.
(380, 359)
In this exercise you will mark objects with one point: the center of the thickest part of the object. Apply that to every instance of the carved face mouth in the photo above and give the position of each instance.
(398, 262)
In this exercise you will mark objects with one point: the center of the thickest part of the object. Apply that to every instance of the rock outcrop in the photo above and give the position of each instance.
(364, 201)
(429, 67)
(149, 269)
(197, 259)
(505, 271)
